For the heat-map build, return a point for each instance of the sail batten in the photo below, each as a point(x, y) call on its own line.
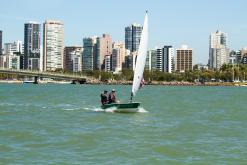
point(141, 58)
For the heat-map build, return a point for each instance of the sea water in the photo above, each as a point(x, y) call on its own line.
point(64, 124)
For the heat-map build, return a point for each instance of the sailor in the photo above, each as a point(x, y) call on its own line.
point(103, 97)
point(112, 97)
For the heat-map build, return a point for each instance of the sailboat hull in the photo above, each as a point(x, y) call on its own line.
point(123, 107)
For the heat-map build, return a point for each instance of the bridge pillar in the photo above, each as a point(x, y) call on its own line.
point(82, 81)
point(36, 80)
point(78, 82)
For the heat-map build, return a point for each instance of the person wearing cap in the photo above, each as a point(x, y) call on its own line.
point(112, 97)
point(103, 97)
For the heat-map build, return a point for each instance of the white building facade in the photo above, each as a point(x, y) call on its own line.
point(53, 43)
point(11, 48)
point(218, 51)
point(107, 63)
point(76, 57)
point(118, 56)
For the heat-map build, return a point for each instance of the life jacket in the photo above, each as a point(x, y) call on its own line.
point(111, 98)
point(103, 98)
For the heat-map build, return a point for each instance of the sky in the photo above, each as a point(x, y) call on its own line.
point(171, 22)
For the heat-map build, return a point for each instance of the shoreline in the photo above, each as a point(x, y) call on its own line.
point(164, 83)
point(158, 83)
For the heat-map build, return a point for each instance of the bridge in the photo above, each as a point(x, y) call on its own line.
point(44, 74)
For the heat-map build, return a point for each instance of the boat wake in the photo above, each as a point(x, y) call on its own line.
point(142, 110)
point(98, 109)
point(113, 109)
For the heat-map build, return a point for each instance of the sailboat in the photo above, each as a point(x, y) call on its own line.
point(138, 75)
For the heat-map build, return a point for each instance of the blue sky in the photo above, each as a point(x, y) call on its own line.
point(172, 22)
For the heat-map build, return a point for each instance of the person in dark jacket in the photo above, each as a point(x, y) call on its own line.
point(103, 97)
point(112, 97)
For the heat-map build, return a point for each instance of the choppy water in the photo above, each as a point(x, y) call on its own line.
point(63, 124)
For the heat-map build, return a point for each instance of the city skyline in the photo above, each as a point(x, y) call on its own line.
point(171, 23)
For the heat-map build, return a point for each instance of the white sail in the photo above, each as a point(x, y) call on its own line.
point(141, 58)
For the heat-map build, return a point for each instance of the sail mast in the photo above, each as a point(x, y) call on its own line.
point(141, 58)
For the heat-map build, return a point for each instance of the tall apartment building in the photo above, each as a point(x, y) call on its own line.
point(1, 42)
point(107, 63)
point(4, 61)
point(130, 60)
point(118, 56)
point(218, 51)
point(69, 52)
point(76, 58)
point(104, 48)
point(165, 59)
point(12, 58)
point(32, 45)
point(13, 48)
point(151, 60)
point(244, 55)
point(89, 59)
point(168, 59)
point(184, 59)
point(133, 37)
point(53, 43)
point(159, 59)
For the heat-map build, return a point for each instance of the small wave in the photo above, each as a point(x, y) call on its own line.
point(142, 110)
point(98, 109)
point(92, 108)
point(67, 107)
point(71, 109)
point(7, 104)
point(113, 109)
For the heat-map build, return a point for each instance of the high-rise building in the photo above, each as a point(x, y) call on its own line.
point(184, 59)
point(104, 48)
point(4, 61)
point(151, 60)
point(1, 42)
point(232, 59)
point(70, 51)
point(13, 48)
point(107, 63)
point(239, 57)
point(89, 60)
point(165, 59)
point(10, 61)
point(31, 45)
point(218, 51)
point(159, 59)
point(118, 56)
point(76, 57)
point(133, 37)
point(7, 48)
point(244, 55)
point(53, 43)
point(15, 62)
point(168, 59)
point(130, 60)
point(13, 55)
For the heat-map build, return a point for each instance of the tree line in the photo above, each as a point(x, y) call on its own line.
point(226, 73)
